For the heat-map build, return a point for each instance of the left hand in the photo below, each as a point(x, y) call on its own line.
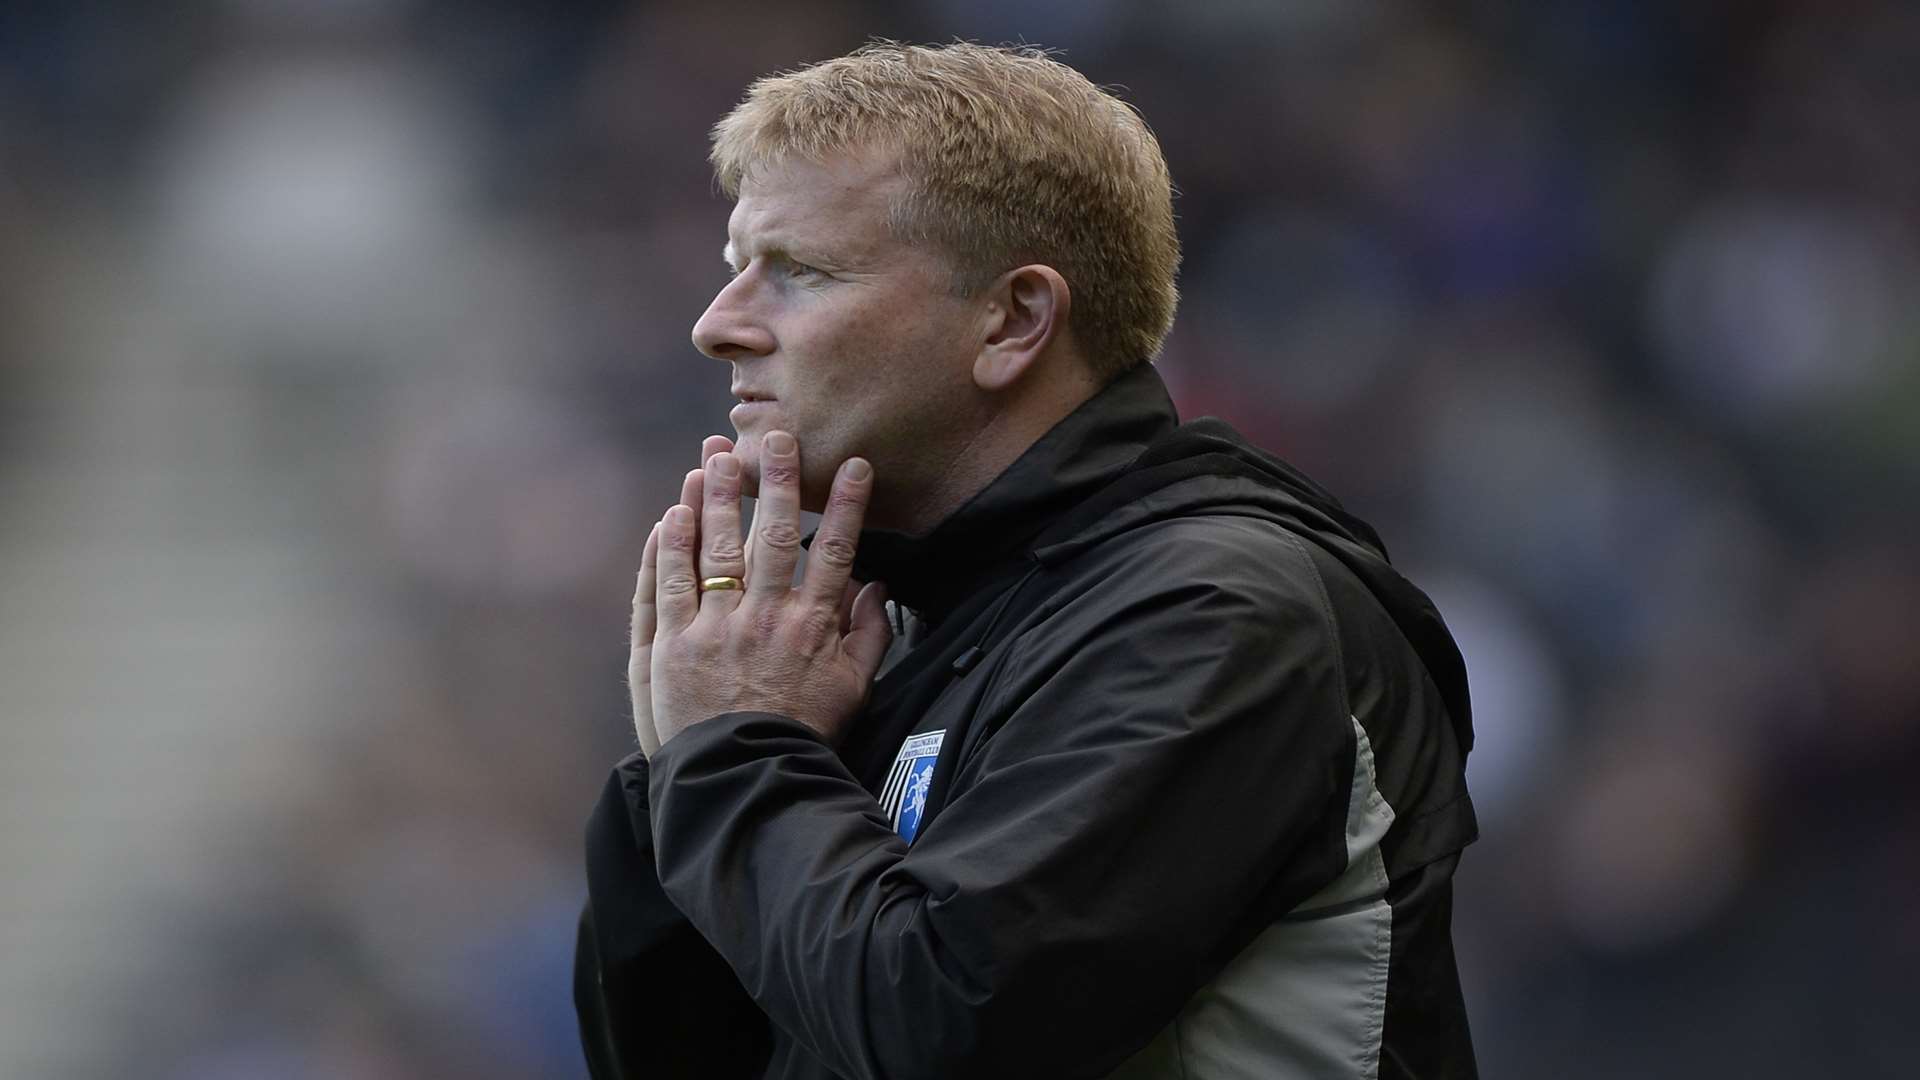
point(802, 652)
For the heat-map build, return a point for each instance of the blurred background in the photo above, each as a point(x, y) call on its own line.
point(344, 365)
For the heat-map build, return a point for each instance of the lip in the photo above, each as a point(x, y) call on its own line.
point(748, 409)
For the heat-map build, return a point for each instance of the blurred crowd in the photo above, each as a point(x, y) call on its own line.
point(344, 366)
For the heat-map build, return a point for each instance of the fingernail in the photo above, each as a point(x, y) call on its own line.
point(858, 469)
point(680, 517)
point(779, 442)
point(725, 466)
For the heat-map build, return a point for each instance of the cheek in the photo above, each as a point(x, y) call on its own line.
point(872, 373)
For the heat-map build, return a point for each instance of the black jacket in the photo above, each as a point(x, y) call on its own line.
point(1200, 759)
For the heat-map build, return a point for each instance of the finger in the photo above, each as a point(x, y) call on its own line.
point(693, 490)
point(830, 559)
point(871, 631)
point(692, 487)
point(776, 517)
point(721, 553)
point(720, 444)
point(676, 595)
point(847, 597)
point(640, 654)
point(643, 589)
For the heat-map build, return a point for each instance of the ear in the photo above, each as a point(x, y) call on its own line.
point(1027, 308)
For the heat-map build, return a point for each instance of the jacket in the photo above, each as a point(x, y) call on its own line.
point(1164, 776)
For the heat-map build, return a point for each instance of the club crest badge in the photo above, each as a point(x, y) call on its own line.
point(904, 798)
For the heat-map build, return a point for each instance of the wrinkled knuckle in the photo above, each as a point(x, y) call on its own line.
point(678, 585)
point(727, 551)
point(836, 551)
point(846, 501)
point(780, 535)
point(779, 472)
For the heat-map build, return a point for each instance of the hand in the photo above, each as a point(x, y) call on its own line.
point(808, 652)
point(640, 645)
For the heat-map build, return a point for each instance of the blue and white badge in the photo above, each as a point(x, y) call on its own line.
point(904, 798)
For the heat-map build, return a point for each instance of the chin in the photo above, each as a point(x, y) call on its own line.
point(747, 449)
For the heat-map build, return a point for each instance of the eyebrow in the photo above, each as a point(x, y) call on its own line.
point(774, 250)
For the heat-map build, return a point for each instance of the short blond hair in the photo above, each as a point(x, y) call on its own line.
point(1009, 156)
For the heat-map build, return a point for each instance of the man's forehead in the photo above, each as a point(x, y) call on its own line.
point(845, 199)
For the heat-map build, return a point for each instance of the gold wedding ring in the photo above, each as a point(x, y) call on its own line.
point(721, 584)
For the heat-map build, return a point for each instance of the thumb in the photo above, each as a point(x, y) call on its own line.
point(868, 631)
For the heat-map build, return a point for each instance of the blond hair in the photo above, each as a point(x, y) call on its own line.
point(1009, 156)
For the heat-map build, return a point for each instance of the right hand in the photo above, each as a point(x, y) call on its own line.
point(640, 656)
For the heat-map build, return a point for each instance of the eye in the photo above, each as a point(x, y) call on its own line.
point(795, 268)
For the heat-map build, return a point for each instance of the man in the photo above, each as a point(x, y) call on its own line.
point(1131, 756)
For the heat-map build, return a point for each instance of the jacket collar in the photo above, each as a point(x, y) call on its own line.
point(932, 572)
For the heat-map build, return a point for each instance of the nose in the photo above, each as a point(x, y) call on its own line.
point(730, 328)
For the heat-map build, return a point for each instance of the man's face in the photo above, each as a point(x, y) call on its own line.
point(838, 333)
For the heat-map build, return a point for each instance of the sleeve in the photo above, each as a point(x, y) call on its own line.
point(653, 998)
point(1167, 780)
